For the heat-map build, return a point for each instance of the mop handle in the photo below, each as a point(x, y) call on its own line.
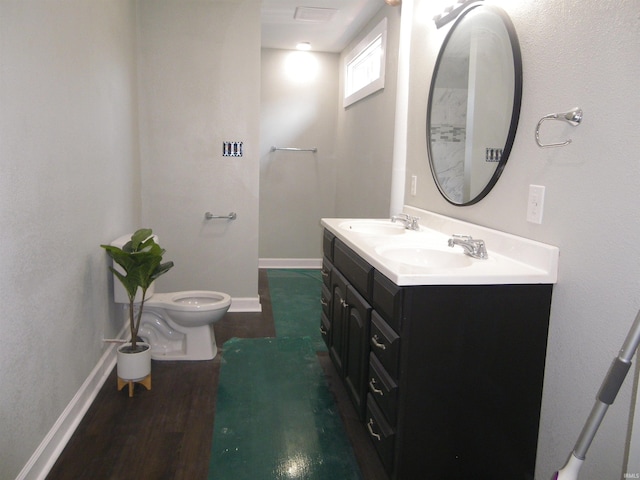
point(631, 343)
point(606, 395)
point(609, 389)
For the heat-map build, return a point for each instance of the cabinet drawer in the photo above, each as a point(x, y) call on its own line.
point(384, 389)
point(327, 244)
point(354, 268)
point(381, 434)
point(325, 300)
point(325, 272)
point(385, 344)
point(387, 300)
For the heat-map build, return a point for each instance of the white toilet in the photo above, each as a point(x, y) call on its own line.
point(178, 325)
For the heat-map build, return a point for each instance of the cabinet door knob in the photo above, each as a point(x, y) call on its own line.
point(370, 428)
point(376, 342)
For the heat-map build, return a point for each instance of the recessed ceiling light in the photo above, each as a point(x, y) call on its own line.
point(303, 46)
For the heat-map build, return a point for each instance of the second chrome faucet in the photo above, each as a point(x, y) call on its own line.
point(473, 248)
point(410, 222)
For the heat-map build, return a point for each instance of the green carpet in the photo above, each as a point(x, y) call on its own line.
point(295, 300)
point(275, 417)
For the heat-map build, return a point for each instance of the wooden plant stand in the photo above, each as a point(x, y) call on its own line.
point(146, 382)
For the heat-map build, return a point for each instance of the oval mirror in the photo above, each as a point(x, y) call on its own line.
point(474, 104)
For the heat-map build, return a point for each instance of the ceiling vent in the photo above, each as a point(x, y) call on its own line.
point(314, 15)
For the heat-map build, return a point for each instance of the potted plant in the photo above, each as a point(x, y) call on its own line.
point(141, 261)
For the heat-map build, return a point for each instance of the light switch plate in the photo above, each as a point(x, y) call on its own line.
point(535, 205)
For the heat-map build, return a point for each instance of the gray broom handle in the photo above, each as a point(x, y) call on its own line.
point(609, 389)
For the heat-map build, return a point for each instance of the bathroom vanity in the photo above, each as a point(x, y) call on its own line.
point(442, 355)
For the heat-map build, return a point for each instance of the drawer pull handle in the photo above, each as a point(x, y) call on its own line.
point(376, 342)
point(323, 330)
point(372, 385)
point(324, 273)
point(370, 428)
point(323, 302)
point(344, 304)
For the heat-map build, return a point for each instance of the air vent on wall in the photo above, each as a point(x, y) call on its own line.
point(314, 15)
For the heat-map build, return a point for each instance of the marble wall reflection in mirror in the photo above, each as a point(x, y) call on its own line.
point(474, 104)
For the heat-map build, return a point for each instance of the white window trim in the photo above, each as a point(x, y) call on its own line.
point(380, 31)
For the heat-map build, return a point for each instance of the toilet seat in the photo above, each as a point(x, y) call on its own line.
point(189, 300)
point(191, 308)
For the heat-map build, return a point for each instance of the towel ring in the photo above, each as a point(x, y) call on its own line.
point(572, 117)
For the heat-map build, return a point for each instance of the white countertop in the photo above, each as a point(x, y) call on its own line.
point(512, 259)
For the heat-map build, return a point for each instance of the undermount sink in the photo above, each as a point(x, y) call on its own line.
point(425, 257)
point(374, 227)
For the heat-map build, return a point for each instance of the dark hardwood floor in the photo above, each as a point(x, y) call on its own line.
point(166, 432)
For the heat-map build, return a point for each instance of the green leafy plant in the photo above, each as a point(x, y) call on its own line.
point(141, 260)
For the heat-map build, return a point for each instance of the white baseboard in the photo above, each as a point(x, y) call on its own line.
point(245, 304)
point(315, 263)
point(45, 456)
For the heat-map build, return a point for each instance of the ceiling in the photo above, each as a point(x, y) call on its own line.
point(328, 25)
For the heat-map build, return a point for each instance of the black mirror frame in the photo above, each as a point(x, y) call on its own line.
point(515, 112)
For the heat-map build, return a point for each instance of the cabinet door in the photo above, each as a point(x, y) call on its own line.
point(358, 323)
point(338, 335)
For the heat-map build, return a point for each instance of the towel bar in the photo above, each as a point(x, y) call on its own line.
point(293, 149)
point(211, 216)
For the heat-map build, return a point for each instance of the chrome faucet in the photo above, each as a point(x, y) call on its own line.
point(473, 248)
point(410, 223)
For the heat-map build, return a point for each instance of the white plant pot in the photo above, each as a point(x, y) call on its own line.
point(134, 366)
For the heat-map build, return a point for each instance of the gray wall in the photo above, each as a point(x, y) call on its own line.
point(365, 135)
point(298, 109)
point(199, 65)
point(69, 181)
point(574, 54)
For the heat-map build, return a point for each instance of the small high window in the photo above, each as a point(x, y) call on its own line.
point(364, 65)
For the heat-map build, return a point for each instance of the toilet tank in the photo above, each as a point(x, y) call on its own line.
point(119, 293)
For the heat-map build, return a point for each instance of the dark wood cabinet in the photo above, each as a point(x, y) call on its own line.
point(448, 378)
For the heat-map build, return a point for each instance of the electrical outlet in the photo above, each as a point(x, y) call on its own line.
point(535, 205)
point(414, 184)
